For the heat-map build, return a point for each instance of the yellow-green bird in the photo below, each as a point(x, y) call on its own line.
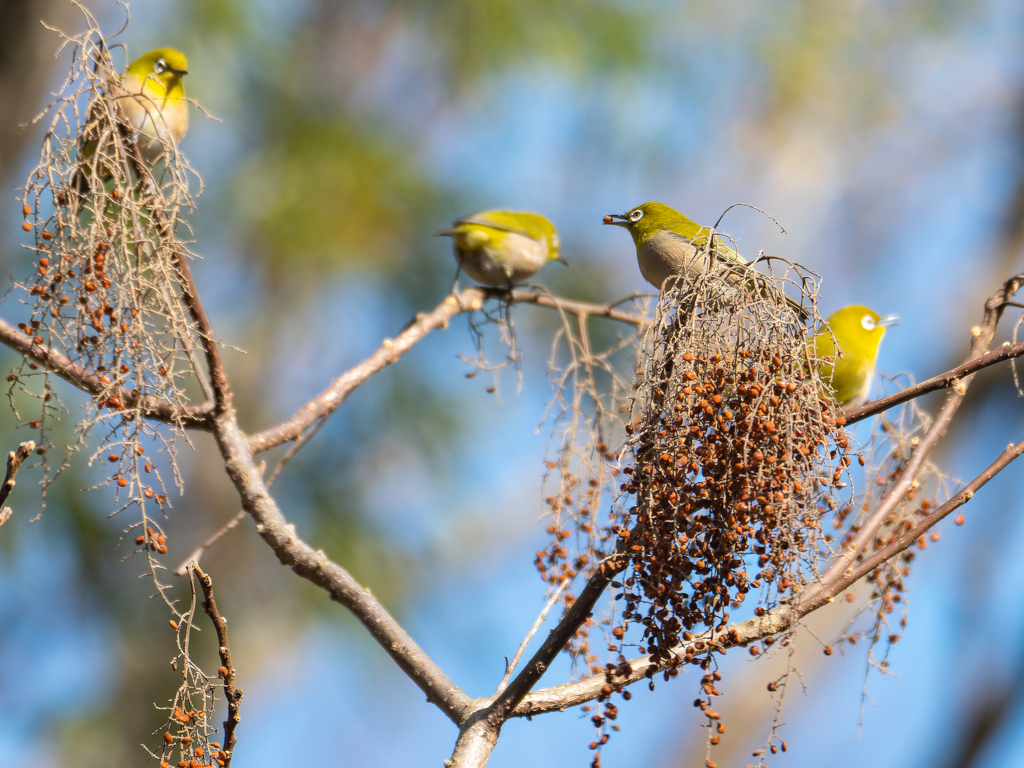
point(667, 245)
point(156, 106)
point(858, 331)
point(502, 248)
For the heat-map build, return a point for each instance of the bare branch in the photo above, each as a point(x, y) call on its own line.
point(190, 417)
point(14, 461)
point(227, 671)
point(507, 701)
point(469, 299)
point(561, 697)
point(911, 535)
point(315, 566)
point(945, 380)
point(578, 308)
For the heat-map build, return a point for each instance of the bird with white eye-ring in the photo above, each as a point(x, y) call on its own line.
point(858, 331)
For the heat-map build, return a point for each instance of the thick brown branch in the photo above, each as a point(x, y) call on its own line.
point(227, 671)
point(469, 299)
point(945, 380)
point(335, 580)
point(14, 461)
point(190, 417)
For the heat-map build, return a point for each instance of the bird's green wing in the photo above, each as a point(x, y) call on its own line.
point(508, 221)
point(699, 238)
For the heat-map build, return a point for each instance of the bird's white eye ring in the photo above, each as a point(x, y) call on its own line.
point(160, 66)
point(554, 240)
point(868, 322)
point(636, 215)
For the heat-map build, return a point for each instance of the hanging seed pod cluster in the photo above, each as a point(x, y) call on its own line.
point(738, 454)
point(105, 289)
point(590, 403)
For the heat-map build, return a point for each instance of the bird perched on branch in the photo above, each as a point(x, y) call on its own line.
point(858, 331)
point(668, 244)
point(156, 108)
point(502, 248)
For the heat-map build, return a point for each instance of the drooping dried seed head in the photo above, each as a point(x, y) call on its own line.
point(738, 453)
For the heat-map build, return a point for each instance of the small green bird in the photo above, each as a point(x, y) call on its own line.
point(157, 107)
point(502, 248)
point(859, 331)
point(667, 245)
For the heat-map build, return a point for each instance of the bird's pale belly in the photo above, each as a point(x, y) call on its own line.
point(663, 256)
point(519, 258)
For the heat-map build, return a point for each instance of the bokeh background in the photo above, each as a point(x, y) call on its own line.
point(887, 135)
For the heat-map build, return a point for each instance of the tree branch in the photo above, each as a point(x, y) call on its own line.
point(316, 567)
point(190, 417)
point(942, 381)
point(560, 697)
point(231, 693)
point(14, 461)
point(469, 299)
point(908, 537)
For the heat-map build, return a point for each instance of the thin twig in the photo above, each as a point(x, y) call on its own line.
point(227, 670)
point(14, 461)
point(193, 558)
point(469, 299)
point(511, 667)
point(909, 536)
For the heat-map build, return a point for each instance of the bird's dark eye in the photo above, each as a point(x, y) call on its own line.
point(160, 66)
point(868, 322)
point(636, 215)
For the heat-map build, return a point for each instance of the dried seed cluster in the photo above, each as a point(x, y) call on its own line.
point(737, 456)
point(730, 465)
point(106, 288)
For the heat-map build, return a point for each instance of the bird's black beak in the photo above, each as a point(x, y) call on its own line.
point(180, 72)
point(888, 320)
point(561, 259)
point(611, 219)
